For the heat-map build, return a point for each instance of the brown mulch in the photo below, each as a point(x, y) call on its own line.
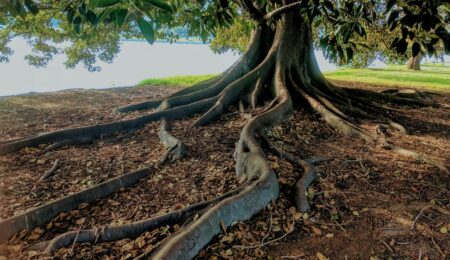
point(363, 203)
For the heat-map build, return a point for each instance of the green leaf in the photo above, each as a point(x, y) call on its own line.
point(91, 17)
point(120, 16)
point(104, 3)
point(415, 49)
point(390, 4)
point(76, 23)
point(147, 30)
point(2, 21)
point(392, 17)
point(159, 4)
point(31, 6)
point(402, 45)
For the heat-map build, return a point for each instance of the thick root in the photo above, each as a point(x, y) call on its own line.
point(42, 214)
point(254, 197)
point(239, 87)
point(301, 186)
point(140, 106)
point(416, 156)
point(176, 149)
point(95, 132)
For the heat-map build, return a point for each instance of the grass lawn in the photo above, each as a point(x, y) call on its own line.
point(182, 81)
point(432, 77)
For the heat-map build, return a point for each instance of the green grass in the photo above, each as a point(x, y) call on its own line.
point(432, 77)
point(181, 81)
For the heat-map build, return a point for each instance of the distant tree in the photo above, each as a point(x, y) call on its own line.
point(276, 74)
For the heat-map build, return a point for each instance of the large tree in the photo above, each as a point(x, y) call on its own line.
point(276, 74)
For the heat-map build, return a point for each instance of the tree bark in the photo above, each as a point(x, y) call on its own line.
point(414, 62)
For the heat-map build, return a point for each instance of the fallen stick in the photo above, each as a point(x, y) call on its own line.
point(50, 172)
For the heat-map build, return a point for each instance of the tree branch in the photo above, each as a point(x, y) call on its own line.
point(280, 10)
point(254, 12)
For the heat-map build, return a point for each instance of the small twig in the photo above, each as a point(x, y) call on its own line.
point(266, 243)
point(75, 239)
point(418, 216)
point(384, 243)
point(50, 172)
point(313, 220)
point(270, 228)
point(292, 257)
point(437, 247)
point(340, 226)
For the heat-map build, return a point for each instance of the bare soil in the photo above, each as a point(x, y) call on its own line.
point(363, 204)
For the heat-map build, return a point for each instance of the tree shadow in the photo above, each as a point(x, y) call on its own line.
point(420, 127)
point(400, 70)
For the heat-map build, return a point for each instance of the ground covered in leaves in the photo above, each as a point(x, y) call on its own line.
point(365, 203)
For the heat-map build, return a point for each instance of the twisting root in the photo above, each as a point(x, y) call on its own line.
point(394, 98)
point(42, 214)
point(130, 230)
point(398, 127)
point(301, 186)
point(94, 132)
point(151, 104)
point(246, 64)
point(176, 149)
point(337, 122)
point(239, 87)
point(353, 131)
point(251, 165)
point(185, 103)
point(50, 172)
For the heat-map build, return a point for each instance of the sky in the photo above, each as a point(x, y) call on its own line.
point(137, 61)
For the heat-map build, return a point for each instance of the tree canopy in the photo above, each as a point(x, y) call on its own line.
point(342, 28)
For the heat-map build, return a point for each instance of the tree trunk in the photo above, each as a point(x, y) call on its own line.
point(414, 62)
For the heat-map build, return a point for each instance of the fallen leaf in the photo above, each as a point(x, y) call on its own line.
point(297, 215)
point(113, 202)
point(41, 161)
point(321, 256)
point(80, 221)
point(329, 235)
point(316, 230)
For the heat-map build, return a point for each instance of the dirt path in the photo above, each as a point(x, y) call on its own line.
point(364, 202)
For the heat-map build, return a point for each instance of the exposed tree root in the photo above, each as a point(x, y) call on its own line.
point(94, 132)
point(42, 214)
point(401, 97)
point(50, 172)
point(130, 230)
point(140, 106)
point(279, 68)
point(251, 165)
point(416, 156)
point(176, 149)
point(301, 186)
